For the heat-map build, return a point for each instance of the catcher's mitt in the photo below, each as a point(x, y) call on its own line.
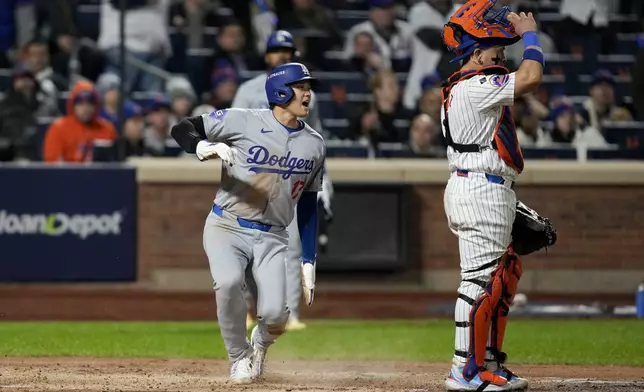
point(530, 231)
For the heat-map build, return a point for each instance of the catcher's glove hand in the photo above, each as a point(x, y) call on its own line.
point(530, 231)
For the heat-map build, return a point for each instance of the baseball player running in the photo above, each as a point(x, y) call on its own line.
point(272, 162)
point(485, 159)
point(280, 49)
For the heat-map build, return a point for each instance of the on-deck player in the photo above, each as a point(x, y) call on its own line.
point(272, 162)
point(280, 49)
point(485, 159)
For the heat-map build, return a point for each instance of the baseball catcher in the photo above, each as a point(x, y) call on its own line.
point(482, 210)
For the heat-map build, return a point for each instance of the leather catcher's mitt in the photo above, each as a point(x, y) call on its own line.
point(530, 231)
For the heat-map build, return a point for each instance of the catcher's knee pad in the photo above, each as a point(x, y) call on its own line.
point(489, 313)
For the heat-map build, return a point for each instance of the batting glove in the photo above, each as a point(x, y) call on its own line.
point(207, 150)
point(308, 281)
point(326, 195)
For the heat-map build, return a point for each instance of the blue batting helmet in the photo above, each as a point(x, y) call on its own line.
point(278, 90)
point(280, 39)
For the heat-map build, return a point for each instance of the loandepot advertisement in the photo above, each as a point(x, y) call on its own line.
point(67, 224)
point(59, 224)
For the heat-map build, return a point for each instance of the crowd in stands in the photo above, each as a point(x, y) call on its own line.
point(381, 63)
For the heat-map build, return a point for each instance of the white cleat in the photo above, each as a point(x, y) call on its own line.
point(294, 324)
point(241, 371)
point(259, 354)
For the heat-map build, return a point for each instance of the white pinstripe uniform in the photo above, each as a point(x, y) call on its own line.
point(479, 202)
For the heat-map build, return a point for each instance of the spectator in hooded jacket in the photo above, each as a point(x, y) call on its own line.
point(71, 138)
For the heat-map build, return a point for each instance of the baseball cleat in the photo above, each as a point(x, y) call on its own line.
point(294, 324)
point(456, 383)
point(241, 371)
point(259, 354)
point(516, 383)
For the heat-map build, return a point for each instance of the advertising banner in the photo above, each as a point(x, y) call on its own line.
point(67, 224)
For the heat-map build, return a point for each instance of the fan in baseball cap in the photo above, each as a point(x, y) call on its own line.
point(280, 49)
point(382, 14)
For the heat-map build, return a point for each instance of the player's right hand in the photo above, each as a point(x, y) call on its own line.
point(207, 150)
point(522, 23)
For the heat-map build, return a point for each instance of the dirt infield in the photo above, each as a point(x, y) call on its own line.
point(89, 374)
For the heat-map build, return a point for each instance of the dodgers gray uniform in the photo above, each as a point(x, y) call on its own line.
point(252, 95)
point(254, 205)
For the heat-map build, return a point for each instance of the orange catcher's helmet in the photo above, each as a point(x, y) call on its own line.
point(478, 25)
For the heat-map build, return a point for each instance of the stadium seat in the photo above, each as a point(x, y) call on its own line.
point(346, 149)
point(550, 153)
point(104, 151)
point(5, 79)
point(172, 149)
point(89, 20)
point(628, 135)
point(621, 154)
point(394, 150)
point(626, 44)
point(346, 19)
point(197, 64)
point(39, 138)
point(179, 43)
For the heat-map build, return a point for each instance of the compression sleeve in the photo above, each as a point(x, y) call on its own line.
point(188, 132)
point(307, 223)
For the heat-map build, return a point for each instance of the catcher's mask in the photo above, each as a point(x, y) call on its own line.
point(476, 25)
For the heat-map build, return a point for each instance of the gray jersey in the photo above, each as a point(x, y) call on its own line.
point(252, 95)
point(274, 165)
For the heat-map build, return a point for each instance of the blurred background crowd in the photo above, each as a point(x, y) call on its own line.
point(381, 63)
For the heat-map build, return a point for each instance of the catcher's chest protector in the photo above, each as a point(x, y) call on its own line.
point(505, 140)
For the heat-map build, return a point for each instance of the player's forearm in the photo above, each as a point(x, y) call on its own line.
point(307, 223)
point(530, 72)
point(188, 133)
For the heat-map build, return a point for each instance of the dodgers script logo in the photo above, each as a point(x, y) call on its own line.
point(285, 166)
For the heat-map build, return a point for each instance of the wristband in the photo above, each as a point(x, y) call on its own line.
point(530, 38)
point(536, 55)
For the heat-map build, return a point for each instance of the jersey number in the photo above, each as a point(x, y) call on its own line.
point(297, 189)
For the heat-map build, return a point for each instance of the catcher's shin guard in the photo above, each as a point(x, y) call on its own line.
point(491, 311)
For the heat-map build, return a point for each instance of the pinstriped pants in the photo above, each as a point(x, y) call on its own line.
point(480, 213)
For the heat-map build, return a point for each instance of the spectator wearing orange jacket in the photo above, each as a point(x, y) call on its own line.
point(71, 138)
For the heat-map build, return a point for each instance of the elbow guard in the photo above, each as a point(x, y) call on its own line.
point(188, 133)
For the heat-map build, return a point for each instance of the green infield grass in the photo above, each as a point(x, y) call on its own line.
point(591, 342)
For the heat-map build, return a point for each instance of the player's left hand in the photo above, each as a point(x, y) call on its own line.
point(308, 281)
